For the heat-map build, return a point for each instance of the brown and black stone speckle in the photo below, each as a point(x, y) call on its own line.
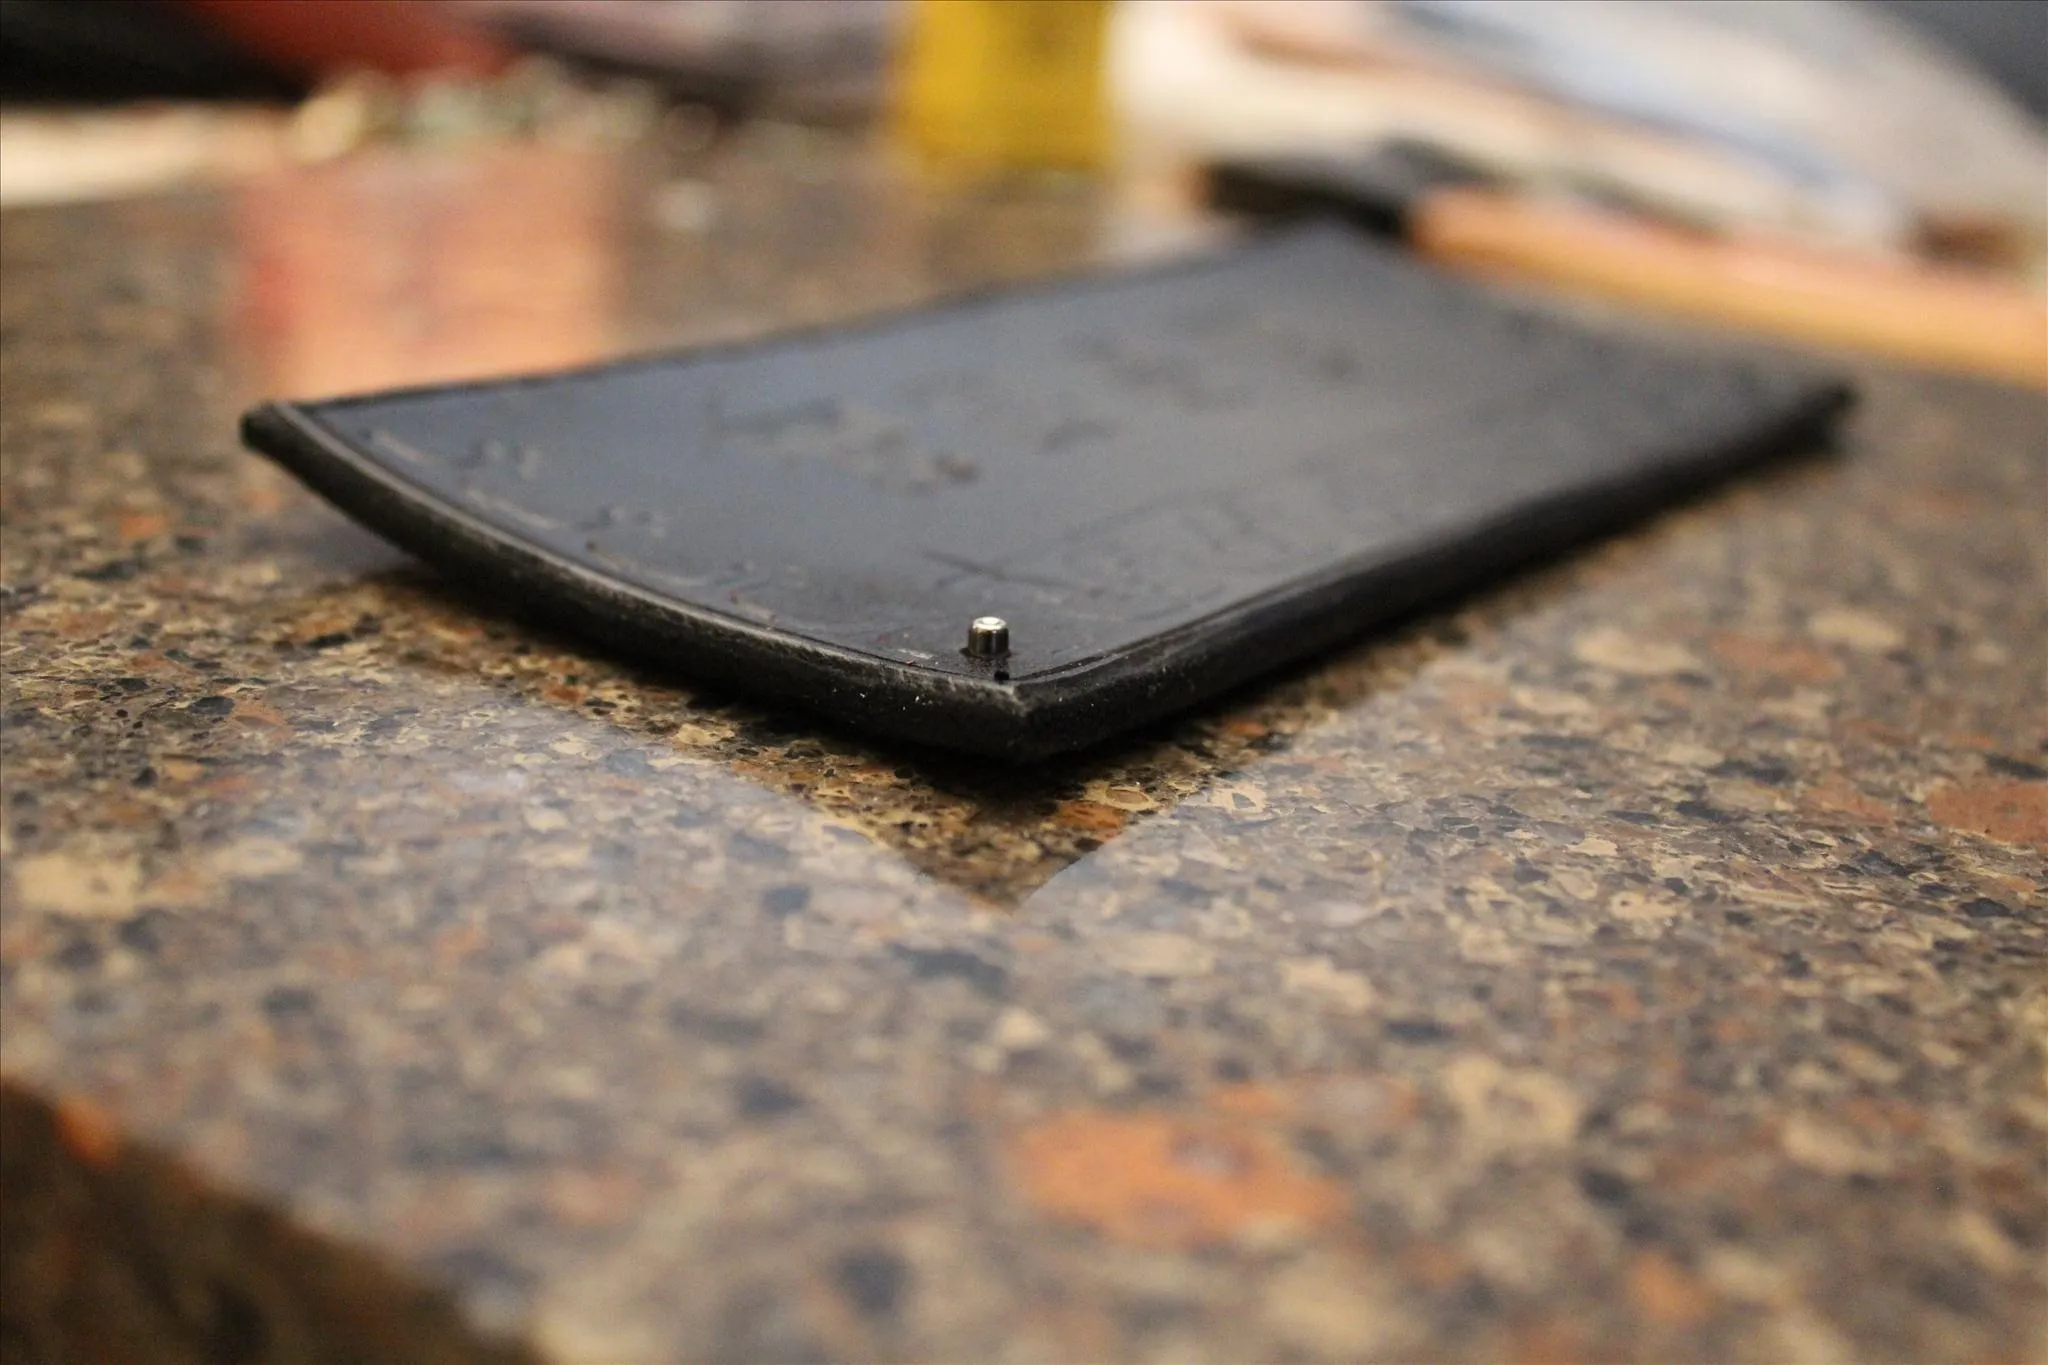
point(1641, 960)
point(112, 1253)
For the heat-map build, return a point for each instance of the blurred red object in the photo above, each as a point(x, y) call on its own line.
point(315, 38)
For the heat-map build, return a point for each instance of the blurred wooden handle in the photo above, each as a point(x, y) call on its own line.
point(1924, 314)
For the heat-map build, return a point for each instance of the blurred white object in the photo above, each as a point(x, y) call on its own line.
point(55, 157)
point(1841, 97)
point(1812, 119)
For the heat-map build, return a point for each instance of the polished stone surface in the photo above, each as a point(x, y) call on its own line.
point(1643, 959)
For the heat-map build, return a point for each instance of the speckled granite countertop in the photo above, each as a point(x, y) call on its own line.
point(1643, 960)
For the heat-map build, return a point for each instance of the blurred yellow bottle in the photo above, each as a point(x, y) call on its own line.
point(996, 85)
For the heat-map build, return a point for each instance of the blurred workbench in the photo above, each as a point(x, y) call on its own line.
point(1641, 960)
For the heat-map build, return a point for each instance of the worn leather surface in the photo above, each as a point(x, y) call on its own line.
point(1165, 480)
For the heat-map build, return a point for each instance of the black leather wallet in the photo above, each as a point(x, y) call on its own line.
point(1161, 481)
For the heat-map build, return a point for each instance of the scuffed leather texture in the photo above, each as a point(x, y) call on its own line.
point(1166, 480)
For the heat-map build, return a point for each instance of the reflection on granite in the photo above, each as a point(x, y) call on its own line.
point(1641, 960)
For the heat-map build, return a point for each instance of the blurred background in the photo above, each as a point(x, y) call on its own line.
point(1860, 173)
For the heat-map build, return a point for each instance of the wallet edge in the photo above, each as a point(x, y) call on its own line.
point(1069, 709)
